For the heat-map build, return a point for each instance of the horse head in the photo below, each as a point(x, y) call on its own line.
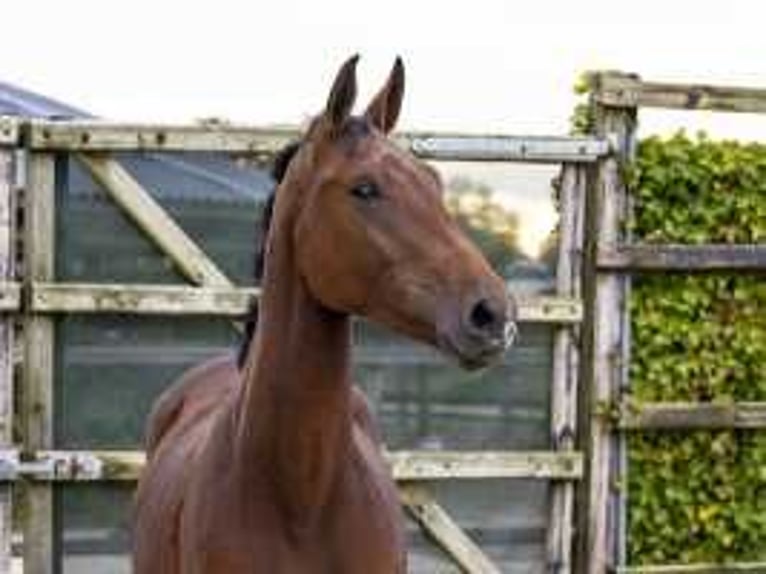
point(372, 236)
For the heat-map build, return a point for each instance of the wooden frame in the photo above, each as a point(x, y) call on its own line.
point(10, 291)
point(428, 513)
point(45, 297)
point(683, 258)
point(137, 299)
point(9, 132)
point(629, 91)
point(565, 361)
point(9, 301)
point(37, 390)
point(690, 416)
point(153, 221)
point(605, 348)
point(407, 466)
point(95, 136)
point(213, 294)
point(616, 98)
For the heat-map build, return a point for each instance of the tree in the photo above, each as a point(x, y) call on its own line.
point(489, 224)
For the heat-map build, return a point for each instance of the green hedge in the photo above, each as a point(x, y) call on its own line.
point(698, 496)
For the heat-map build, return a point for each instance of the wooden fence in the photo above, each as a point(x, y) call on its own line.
point(612, 258)
point(32, 298)
point(591, 344)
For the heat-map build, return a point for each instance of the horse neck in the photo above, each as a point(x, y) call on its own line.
point(294, 422)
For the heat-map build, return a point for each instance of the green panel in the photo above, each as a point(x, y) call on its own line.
point(111, 368)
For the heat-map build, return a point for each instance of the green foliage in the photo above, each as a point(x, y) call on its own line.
point(582, 119)
point(698, 496)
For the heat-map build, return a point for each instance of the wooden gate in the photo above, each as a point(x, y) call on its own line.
point(612, 258)
point(31, 298)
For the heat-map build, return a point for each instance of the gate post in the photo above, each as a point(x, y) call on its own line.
point(606, 337)
point(7, 275)
point(37, 389)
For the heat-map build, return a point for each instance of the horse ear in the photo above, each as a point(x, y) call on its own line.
point(343, 93)
point(383, 110)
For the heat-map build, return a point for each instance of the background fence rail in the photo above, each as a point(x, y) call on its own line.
point(92, 136)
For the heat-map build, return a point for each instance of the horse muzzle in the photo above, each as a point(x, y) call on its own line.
point(482, 332)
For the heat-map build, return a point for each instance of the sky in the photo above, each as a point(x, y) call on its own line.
point(479, 66)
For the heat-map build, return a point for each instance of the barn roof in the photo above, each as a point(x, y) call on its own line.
point(182, 177)
point(15, 101)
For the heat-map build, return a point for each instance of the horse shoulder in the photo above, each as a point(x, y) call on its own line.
point(195, 392)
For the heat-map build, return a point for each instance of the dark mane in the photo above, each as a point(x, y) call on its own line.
point(278, 169)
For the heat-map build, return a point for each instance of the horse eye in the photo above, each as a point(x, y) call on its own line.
point(366, 190)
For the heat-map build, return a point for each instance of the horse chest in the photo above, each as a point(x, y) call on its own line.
point(347, 541)
point(359, 529)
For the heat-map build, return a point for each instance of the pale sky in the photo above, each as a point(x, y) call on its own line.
point(484, 65)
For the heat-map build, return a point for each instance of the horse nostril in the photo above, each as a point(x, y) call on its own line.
point(482, 317)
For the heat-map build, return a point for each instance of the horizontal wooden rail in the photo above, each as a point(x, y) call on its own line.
point(508, 148)
point(686, 258)
point(96, 135)
point(680, 416)
point(10, 298)
point(85, 136)
point(9, 131)
point(139, 299)
point(626, 90)
point(549, 309)
point(427, 465)
point(730, 568)
point(187, 300)
point(101, 465)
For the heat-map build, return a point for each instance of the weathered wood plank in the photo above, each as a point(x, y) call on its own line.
point(628, 90)
point(435, 521)
point(605, 349)
point(683, 258)
point(233, 301)
point(426, 465)
point(152, 219)
point(527, 149)
point(101, 136)
point(724, 568)
point(9, 131)
point(140, 299)
point(544, 309)
point(9, 300)
point(96, 136)
point(565, 360)
point(688, 416)
point(10, 296)
point(37, 381)
point(104, 465)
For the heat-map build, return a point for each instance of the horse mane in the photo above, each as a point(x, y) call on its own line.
point(278, 169)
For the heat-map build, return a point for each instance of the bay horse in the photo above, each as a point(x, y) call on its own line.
point(276, 467)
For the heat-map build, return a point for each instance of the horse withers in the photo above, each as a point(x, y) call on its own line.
point(276, 467)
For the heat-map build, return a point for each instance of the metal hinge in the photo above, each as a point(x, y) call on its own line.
point(46, 466)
